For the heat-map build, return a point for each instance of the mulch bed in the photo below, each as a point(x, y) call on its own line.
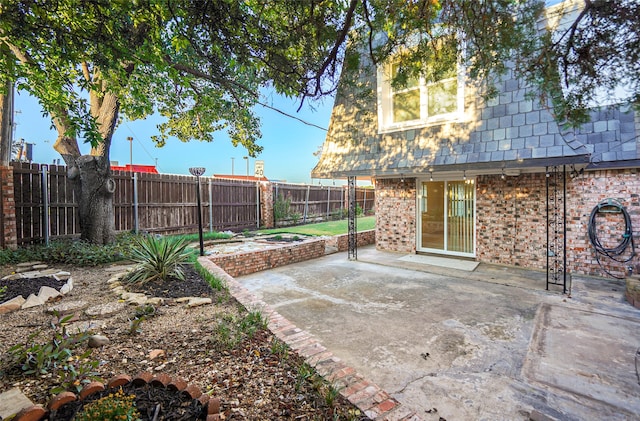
point(192, 286)
point(26, 286)
point(153, 403)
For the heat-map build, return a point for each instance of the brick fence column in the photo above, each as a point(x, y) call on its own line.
point(266, 205)
point(8, 233)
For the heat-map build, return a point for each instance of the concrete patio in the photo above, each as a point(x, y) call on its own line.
point(482, 344)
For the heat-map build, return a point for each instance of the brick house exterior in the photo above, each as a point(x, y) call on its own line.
point(504, 151)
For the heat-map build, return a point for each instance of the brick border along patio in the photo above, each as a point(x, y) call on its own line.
point(367, 396)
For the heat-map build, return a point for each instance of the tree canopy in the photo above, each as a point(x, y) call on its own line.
point(201, 64)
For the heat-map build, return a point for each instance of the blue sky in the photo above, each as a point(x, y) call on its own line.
point(288, 144)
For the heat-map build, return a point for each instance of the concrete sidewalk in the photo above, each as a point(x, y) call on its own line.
point(488, 344)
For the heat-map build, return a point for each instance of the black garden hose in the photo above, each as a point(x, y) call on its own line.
point(614, 253)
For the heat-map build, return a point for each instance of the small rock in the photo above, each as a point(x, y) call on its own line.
point(46, 293)
point(12, 304)
point(97, 341)
point(67, 287)
point(105, 309)
point(62, 275)
point(155, 353)
point(28, 264)
point(156, 301)
point(68, 307)
point(32, 301)
point(198, 301)
point(160, 367)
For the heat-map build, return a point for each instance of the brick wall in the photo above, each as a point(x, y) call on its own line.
point(341, 242)
point(511, 219)
point(8, 233)
point(585, 192)
point(396, 215)
point(246, 263)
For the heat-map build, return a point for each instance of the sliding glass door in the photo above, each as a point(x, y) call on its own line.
point(447, 217)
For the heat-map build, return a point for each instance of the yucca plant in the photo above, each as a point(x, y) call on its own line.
point(158, 259)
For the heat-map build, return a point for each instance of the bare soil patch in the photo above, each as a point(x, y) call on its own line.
point(252, 376)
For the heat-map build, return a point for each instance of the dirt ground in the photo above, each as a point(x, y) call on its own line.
point(255, 377)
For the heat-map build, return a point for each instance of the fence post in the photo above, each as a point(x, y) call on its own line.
point(257, 205)
point(364, 202)
point(210, 205)
point(306, 205)
point(136, 226)
point(45, 204)
point(328, 201)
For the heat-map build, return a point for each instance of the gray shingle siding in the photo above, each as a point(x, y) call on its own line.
point(508, 129)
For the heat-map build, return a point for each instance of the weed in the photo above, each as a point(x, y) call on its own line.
point(279, 348)
point(141, 314)
point(305, 372)
point(331, 393)
point(56, 356)
point(231, 330)
point(3, 290)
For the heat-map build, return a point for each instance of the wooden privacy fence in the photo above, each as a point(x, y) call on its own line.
point(160, 203)
point(311, 203)
point(46, 205)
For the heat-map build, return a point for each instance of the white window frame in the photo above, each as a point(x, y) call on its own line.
point(385, 102)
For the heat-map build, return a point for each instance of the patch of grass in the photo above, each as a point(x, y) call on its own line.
point(216, 283)
point(364, 223)
point(206, 236)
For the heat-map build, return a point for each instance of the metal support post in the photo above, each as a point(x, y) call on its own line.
point(136, 221)
point(45, 205)
point(353, 240)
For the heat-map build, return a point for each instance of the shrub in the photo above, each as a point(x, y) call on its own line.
point(74, 252)
point(113, 407)
point(158, 259)
point(281, 208)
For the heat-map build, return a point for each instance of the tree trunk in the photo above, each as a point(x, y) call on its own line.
point(94, 186)
point(6, 124)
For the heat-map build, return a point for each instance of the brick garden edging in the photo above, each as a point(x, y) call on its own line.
point(37, 412)
point(373, 401)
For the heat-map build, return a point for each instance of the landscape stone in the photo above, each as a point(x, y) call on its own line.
point(12, 277)
point(28, 264)
point(67, 287)
point(32, 301)
point(182, 299)
point(86, 326)
point(156, 301)
point(31, 274)
point(46, 293)
point(134, 298)
point(23, 269)
point(62, 275)
point(68, 307)
point(105, 309)
point(12, 304)
point(11, 402)
point(97, 341)
point(39, 267)
point(118, 290)
point(48, 272)
point(198, 301)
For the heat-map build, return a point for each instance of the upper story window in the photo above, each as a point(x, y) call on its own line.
point(430, 98)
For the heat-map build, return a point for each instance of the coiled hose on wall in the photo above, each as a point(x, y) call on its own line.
point(614, 253)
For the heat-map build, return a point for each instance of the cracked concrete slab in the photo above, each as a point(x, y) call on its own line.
point(461, 345)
